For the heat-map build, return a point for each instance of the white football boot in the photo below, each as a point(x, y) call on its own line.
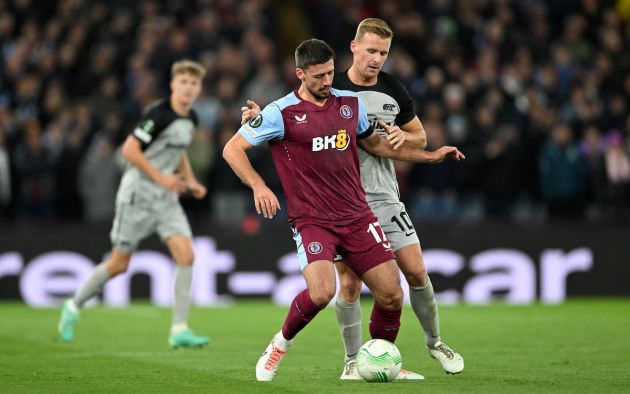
point(408, 375)
point(451, 361)
point(270, 360)
point(350, 371)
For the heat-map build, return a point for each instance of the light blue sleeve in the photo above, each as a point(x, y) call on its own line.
point(363, 123)
point(266, 126)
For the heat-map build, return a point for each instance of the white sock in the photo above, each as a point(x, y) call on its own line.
point(349, 320)
point(425, 307)
point(181, 304)
point(92, 286)
point(281, 342)
point(72, 306)
point(178, 328)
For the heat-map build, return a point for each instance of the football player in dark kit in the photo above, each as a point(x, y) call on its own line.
point(386, 99)
point(148, 201)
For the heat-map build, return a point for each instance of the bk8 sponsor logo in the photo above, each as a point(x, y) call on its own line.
point(339, 141)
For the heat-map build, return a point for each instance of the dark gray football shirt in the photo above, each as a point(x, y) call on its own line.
point(389, 101)
point(164, 136)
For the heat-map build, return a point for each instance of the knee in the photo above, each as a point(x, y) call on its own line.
point(412, 266)
point(185, 258)
point(322, 297)
point(417, 276)
point(117, 267)
point(391, 299)
point(349, 288)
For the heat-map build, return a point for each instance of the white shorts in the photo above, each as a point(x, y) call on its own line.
point(396, 224)
point(137, 219)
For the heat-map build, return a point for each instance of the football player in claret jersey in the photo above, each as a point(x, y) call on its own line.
point(385, 99)
point(313, 134)
point(148, 201)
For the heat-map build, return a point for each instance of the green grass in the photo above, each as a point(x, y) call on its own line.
point(581, 346)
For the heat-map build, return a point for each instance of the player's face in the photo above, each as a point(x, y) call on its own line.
point(370, 53)
point(317, 79)
point(186, 88)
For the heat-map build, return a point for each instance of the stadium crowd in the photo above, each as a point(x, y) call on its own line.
point(535, 93)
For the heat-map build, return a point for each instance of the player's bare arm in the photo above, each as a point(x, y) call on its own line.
point(132, 152)
point(235, 154)
point(382, 147)
point(415, 135)
point(185, 170)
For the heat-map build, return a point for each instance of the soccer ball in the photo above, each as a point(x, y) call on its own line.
point(378, 360)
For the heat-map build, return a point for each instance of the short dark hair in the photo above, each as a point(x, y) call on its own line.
point(311, 52)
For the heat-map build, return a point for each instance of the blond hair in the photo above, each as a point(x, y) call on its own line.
point(373, 25)
point(188, 67)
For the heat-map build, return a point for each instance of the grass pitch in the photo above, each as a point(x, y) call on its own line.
point(581, 346)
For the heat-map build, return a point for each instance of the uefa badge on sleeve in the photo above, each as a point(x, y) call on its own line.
point(256, 121)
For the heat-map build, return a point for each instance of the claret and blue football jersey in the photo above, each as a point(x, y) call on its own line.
point(315, 152)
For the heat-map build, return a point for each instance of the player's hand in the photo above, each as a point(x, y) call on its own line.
point(395, 135)
point(266, 202)
point(446, 153)
point(249, 112)
point(173, 183)
point(197, 190)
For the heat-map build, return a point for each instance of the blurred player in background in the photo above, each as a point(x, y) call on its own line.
point(313, 134)
point(148, 201)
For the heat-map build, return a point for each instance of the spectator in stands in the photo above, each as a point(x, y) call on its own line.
point(5, 176)
point(99, 173)
point(562, 175)
point(618, 175)
point(35, 167)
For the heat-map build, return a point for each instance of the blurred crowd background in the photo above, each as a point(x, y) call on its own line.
point(535, 93)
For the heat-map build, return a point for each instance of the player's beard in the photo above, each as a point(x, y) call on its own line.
point(319, 95)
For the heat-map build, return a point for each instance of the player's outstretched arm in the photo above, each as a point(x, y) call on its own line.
point(378, 146)
point(132, 152)
point(235, 154)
